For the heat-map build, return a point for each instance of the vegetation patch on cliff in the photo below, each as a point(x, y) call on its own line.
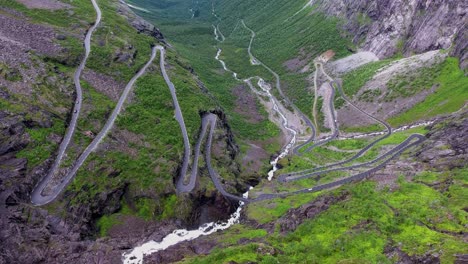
point(450, 96)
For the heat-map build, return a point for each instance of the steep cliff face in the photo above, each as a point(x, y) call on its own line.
point(414, 26)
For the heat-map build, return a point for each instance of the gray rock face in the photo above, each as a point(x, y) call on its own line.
point(139, 23)
point(447, 148)
point(295, 217)
point(12, 135)
point(387, 27)
point(31, 234)
point(147, 28)
point(462, 46)
point(178, 252)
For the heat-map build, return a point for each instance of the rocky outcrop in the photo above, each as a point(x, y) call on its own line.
point(17, 32)
point(208, 204)
point(373, 96)
point(403, 258)
point(104, 84)
point(445, 149)
point(178, 252)
point(30, 234)
point(294, 217)
point(139, 23)
point(44, 4)
point(447, 145)
point(147, 28)
point(12, 133)
point(461, 259)
point(461, 47)
point(415, 26)
point(231, 146)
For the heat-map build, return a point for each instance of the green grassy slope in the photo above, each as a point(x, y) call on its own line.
point(416, 218)
point(154, 148)
point(194, 39)
point(277, 41)
point(450, 95)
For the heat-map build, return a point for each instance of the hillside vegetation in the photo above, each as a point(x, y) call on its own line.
point(408, 204)
point(141, 154)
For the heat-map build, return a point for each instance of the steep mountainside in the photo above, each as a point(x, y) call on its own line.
point(389, 27)
point(128, 180)
point(413, 211)
point(233, 131)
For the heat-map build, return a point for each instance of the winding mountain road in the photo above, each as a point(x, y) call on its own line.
point(184, 185)
point(180, 183)
point(357, 177)
point(361, 152)
point(256, 61)
point(334, 120)
point(37, 196)
point(308, 4)
point(209, 121)
point(277, 105)
point(411, 141)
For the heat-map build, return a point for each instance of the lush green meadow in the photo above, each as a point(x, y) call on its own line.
point(416, 218)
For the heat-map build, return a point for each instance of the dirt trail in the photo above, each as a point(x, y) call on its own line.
point(326, 93)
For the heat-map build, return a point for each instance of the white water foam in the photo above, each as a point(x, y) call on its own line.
point(216, 33)
point(137, 254)
point(403, 128)
point(180, 235)
point(266, 88)
point(234, 74)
